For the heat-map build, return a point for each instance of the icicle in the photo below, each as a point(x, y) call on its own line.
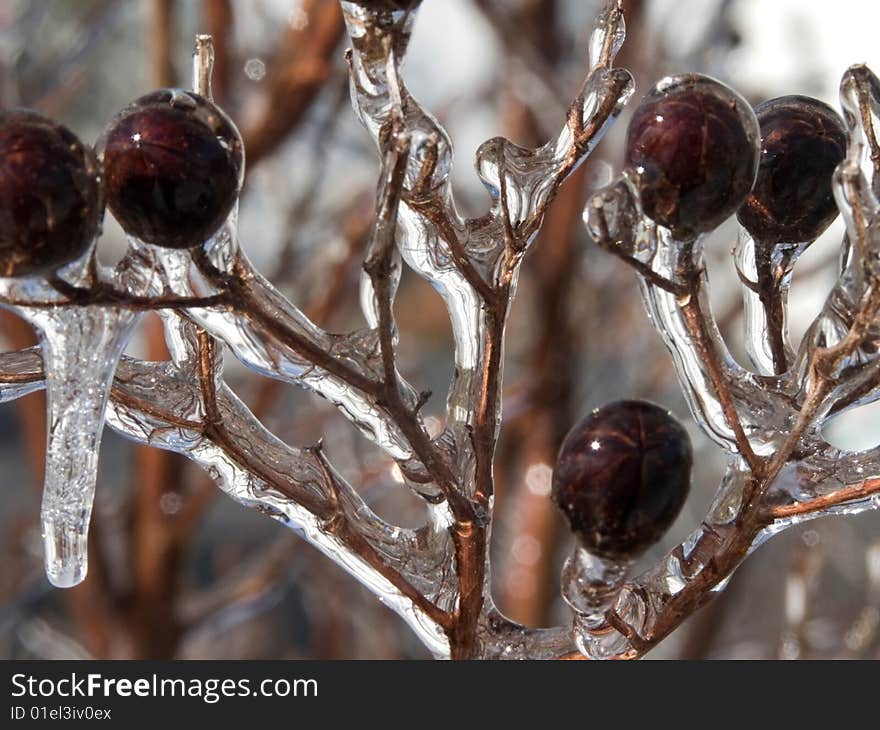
point(81, 348)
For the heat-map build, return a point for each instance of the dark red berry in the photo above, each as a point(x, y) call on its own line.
point(802, 142)
point(692, 149)
point(50, 195)
point(173, 165)
point(622, 476)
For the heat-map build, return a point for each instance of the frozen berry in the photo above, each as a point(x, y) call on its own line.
point(622, 476)
point(173, 165)
point(692, 149)
point(50, 195)
point(802, 141)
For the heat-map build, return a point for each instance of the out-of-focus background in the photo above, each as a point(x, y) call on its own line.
point(179, 570)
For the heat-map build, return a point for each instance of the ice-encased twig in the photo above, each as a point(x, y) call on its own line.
point(856, 187)
point(158, 405)
point(827, 481)
point(21, 373)
point(295, 486)
point(766, 280)
point(464, 260)
point(672, 278)
point(860, 101)
point(430, 230)
point(271, 336)
point(706, 371)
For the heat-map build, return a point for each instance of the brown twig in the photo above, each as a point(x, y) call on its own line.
point(841, 496)
point(768, 288)
point(327, 510)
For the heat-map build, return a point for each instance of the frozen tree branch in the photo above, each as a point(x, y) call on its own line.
point(779, 470)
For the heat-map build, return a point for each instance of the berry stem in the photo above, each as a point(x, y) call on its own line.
point(203, 66)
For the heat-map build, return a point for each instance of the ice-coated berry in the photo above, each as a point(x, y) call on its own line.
point(173, 165)
point(802, 141)
point(692, 149)
point(622, 476)
point(50, 195)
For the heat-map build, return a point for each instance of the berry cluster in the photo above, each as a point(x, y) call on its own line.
point(169, 166)
point(696, 154)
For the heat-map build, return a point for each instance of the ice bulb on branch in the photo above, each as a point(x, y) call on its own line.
point(51, 206)
point(173, 165)
point(692, 150)
point(621, 478)
point(792, 202)
point(50, 195)
point(802, 141)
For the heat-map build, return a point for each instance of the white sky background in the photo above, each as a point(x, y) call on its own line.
point(786, 39)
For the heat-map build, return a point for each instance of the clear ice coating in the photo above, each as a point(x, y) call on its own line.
point(296, 488)
point(768, 421)
point(590, 585)
point(765, 292)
